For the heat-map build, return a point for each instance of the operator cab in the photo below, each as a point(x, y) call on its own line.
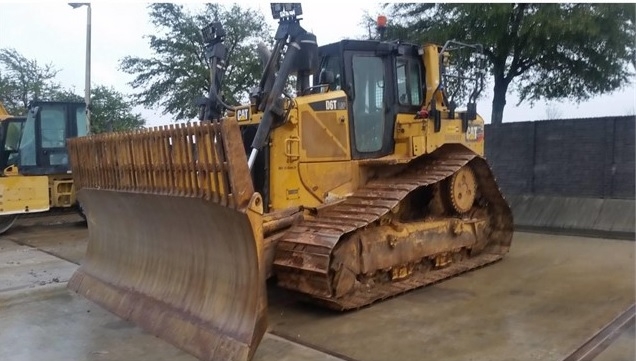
point(43, 144)
point(381, 80)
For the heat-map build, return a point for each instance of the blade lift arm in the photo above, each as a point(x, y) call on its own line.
point(295, 51)
point(215, 54)
point(299, 52)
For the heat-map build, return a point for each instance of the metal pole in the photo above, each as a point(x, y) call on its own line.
point(87, 86)
point(87, 75)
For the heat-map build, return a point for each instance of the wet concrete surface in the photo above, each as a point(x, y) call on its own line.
point(541, 302)
point(622, 349)
point(549, 295)
point(62, 326)
point(24, 268)
point(65, 241)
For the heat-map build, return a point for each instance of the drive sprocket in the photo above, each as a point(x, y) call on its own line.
point(462, 189)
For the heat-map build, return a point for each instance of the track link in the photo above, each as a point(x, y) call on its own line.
point(304, 254)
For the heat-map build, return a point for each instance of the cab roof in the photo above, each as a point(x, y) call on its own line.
point(369, 45)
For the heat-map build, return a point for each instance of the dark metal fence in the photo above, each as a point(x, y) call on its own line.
point(591, 157)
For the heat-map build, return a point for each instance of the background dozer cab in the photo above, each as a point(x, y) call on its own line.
point(36, 175)
point(367, 183)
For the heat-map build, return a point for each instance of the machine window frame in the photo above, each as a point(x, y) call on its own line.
point(81, 122)
point(334, 64)
point(29, 145)
point(49, 160)
point(10, 135)
point(390, 108)
point(410, 82)
point(14, 129)
point(372, 92)
point(53, 135)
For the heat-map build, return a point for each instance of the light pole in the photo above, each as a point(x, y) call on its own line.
point(87, 85)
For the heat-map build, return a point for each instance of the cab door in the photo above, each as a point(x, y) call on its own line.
point(52, 127)
point(371, 111)
point(10, 141)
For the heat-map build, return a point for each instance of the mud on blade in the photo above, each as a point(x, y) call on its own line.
point(175, 236)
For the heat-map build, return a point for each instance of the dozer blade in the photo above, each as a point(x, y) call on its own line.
point(175, 236)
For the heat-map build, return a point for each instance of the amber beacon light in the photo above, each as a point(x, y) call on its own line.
point(381, 25)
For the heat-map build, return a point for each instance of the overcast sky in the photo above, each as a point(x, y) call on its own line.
point(53, 32)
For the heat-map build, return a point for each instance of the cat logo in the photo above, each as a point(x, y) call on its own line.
point(243, 114)
point(475, 133)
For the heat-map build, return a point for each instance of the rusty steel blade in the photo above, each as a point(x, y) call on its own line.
point(193, 277)
point(175, 235)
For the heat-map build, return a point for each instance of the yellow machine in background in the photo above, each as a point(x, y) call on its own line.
point(368, 183)
point(3, 112)
point(35, 169)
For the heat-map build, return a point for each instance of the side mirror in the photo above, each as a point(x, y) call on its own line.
point(326, 77)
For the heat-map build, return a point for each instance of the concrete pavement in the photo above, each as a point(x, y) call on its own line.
point(541, 302)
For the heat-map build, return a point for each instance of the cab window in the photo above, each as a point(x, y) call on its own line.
point(408, 82)
point(368, 103)
point(53, 127)
point(14, 131)
point(80, 116)
point(332, 64)
point(27, 143)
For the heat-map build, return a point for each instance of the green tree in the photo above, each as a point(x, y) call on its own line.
point(23, 80)
point(177, 73)
point(545, 51)
point(108, 108)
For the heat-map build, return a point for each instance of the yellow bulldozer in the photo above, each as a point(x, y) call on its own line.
point(36, 176)
point(368, 182)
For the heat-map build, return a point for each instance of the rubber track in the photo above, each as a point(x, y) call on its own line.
point(303, 255)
